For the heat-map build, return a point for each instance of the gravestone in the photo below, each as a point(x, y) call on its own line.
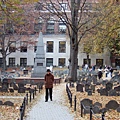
point(89, 91)
point(20, 85)
point(103, 92)
point(94, 79)
point(109, 86)
point(39, 66)
point(96, 109)
point(5, 85)
point(15, 87)
point(79, 87)
point(112, 93)
point(21, 90)
point(11, 90)
point(9, 103)
point(104, 82)
point(1, 103)
point(98, 104)
point(112, 104)
point(86, 102)
point(93, 88)
point(87, 87)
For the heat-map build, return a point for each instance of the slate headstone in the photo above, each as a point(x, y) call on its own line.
point(9, 103)
point(98, 104)
point(89, 91)
point(103, 92)
point(93, 88)
point(1, 103)
point(112, 104)
point(79, 87)
point(96, 109)
point(21, 90)
point(117, 88)
point(109, 86)
point(118, 109)
point(112, 93)
point(86, 102)
point(87, 87)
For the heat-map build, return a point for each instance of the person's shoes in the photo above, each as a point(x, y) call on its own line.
point(51, 99)
point(46, 101)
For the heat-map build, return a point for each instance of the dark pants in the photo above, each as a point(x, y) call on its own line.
point(48, 94)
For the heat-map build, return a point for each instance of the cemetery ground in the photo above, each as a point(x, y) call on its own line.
point(11, 111)
point(105, 100)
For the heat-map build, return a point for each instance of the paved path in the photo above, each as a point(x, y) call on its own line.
point(51, 110)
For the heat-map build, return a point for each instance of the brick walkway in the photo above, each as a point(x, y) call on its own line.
point(51, 110)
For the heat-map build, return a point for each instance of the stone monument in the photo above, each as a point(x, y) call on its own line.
point(39, 65)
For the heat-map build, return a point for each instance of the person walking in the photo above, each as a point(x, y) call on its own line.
point(49, 80)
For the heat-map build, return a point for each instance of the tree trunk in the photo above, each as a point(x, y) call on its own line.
point(4, 63)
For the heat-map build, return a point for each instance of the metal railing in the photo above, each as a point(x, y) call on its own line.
point(102, 117)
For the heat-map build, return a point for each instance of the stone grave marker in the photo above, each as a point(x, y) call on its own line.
point(79, 87)
point(112, 104)
point(103, 92)
point(96, 109)
point(1, 103)
point(15, 87)
point(9, 103)
point(92, 88)
point(89, 91)
point(87, 103)
point(5, 86)
point(104, 82)
point(97, 104)
point(87, 87)
point(11, 90)
point(21, 90)
point(112, 93)
point(109, 86)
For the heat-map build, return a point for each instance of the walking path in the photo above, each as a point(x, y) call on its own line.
point(51, 110)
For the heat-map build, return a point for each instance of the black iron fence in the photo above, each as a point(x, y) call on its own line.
point(28, 97)
point(83, 108)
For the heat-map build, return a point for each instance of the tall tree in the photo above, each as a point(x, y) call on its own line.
point(76, 22)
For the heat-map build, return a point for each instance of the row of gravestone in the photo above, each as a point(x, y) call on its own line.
point(97, 107)
point(9, 103)
point(107, 91)
point(20, 87)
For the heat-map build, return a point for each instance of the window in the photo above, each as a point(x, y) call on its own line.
point(63, 6)
point(50, 6)
point(62, 27)
point(23, 46)
point(11, 62)
point(35, 48)
point(23, 62)
point(49, 62)
point(50, 27)
point(12, 47)
point(99, 62)
point(49, 46)
point(85, 61)
point(62, 47)
point(39, 6)
point(61, 62)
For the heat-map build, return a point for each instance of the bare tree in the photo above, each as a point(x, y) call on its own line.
point(77, 19)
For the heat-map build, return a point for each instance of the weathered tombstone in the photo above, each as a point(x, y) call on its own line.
point(9, 103)
point(93, 88)
point(21, 85)
point(104, 82)
point(112, 93)
point(1, 103)
point(89, 91)
point(87, 87)
point(94, 80)
point(96, 109)
point(98, 104)
point(21, 90)
point(86, 102)
point(79, 87)
point(11, 90)
point(112, 104)
point(103, 92)
point(109, 86)
point(5, 86)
